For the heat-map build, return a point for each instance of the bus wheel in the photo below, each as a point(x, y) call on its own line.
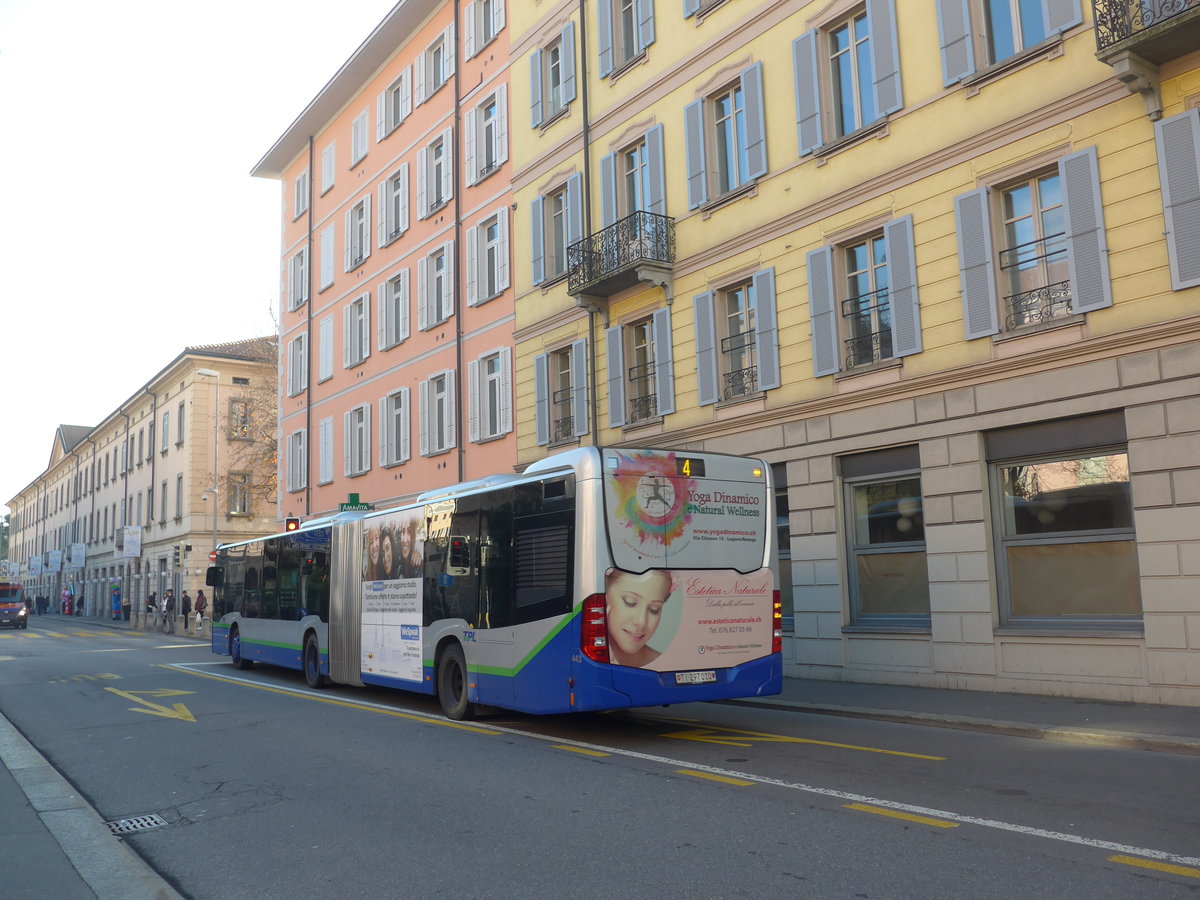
point(235, 650)
point(312, 662)
point(452, 684)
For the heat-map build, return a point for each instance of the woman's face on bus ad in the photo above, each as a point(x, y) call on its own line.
point(372, 550)
point(635, 605)
point(386, 553)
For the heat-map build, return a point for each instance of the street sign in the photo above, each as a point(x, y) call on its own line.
point(212, 555)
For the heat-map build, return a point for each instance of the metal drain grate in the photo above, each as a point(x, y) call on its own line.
point(136, 823)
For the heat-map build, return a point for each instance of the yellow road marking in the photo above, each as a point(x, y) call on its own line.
point(739, 738)
point(177, 711)
point(896, 814)
point(347, 704)
point(711, 777)
point(583, 750)
point(1156, 866)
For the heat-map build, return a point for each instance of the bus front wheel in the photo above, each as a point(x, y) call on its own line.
point(452, 684)
point(312, 662)
point(235, 650)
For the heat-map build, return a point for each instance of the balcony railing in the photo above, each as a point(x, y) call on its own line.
point(1037, 306)
point(644, 405)
point(563, 428)
point(607, 261)
point(869, 348)
point(1138, 21)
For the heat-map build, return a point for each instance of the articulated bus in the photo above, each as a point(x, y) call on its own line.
point(597, 579)
point(14, 611)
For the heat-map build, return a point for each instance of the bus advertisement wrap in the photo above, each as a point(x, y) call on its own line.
point(391, 628)
point(688, 619)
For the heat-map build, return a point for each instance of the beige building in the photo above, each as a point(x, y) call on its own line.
point(935, 261)
point(139, 500)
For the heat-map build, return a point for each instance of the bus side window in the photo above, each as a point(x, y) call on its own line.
point(543, 553)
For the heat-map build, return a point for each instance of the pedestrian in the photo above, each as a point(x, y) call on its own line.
point(169, 612)
point(185, 608)
point(64, 602)
point(116, 602)
point(151, 608)
point(201, 606)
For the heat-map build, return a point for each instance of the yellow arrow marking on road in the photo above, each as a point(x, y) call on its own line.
point(178, 711)
point(749, 738)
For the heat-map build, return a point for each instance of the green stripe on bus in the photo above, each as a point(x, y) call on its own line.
point(511, 673)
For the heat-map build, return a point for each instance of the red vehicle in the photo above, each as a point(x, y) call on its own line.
point(13, 611)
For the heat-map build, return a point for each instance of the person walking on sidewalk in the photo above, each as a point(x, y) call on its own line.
point(201, 606)
point(169, 612)
point(185, 608)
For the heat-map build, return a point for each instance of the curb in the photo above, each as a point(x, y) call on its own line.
point(106, 864)
point(1102, 738)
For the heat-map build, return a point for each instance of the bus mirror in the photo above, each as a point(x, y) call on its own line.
point(214, 576)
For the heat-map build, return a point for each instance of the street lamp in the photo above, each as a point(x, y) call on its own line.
point(216, 377)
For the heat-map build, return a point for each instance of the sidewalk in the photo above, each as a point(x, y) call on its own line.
point(1168, 729)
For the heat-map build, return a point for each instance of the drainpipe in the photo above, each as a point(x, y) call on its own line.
point(459, 271)
point(279, 348)
point(582, 56)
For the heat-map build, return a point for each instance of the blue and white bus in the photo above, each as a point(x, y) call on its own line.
point(599, 578)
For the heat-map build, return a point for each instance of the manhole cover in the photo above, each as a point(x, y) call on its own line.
point(135, 824)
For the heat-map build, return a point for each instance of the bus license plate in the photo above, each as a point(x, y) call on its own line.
point(695, 677)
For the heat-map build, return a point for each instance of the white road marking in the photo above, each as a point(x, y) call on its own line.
point(995, 824)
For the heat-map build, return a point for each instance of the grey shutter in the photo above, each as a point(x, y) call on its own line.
point(574, 209)
point(422, 182)
point(423, 303)
point(766, 330)
point(347, 449)
point(387, 452)
point(502, 252)
point(885, 55)
point(644, 9)
point(469, 16)
point(567, 41)
point(706, 350)
point(1178, 144)
point(615, 359)
point(473, 266)
point(579, 387)
point(756, 124)
point(541, 398)
point(608, 189)
point(423, 403)
point(403, 332)
point(697, 180)
point(381, 117)
point(1061, 14)
point(690, 8)
point(451, 407)
point(604, 31)
point(664, 362)
point(405, 426)
point(448, 167)
point(808, 92)
point(537, 240)
point(535, 88)
point(954, 36)
point(469, 126)
point(449, 52)
point(473, 401)
point(506, 424)
point(656, 158)
point(346, 326)
point(381, 236)
point(1087, 249)
point(975, 264)
point(384, 318)
point(822, 312)
point(902, 281)
point(502, 124)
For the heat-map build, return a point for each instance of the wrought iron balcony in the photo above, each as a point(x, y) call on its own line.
point(644, 405)
point(1038, 306)
point(612, 259)
point(1156, 30)
point(869, 348)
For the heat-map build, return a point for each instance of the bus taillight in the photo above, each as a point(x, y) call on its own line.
point(594, 629)
point(777, 624)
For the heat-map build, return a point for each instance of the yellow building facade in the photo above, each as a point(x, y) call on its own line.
point(938, 262)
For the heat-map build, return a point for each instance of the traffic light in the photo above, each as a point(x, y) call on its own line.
point(291, 523)
point(175, 553)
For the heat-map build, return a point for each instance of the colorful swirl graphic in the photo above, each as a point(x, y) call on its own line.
point(636, 476)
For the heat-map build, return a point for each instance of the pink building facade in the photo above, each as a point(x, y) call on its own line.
point(396, 311)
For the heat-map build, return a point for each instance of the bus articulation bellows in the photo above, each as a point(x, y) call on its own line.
point(599, 578)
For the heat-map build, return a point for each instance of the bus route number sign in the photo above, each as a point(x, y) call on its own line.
point(689, 468)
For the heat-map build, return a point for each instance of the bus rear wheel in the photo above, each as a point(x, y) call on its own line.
point(235, 650)
point(452, 684)
point(312, 662)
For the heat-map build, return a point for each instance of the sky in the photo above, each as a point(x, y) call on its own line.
point(130, 227)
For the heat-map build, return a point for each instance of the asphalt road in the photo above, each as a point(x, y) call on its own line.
point(271, 789)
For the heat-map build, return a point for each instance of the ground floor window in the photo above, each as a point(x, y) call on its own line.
point(1067, 552)
point(888, 577)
